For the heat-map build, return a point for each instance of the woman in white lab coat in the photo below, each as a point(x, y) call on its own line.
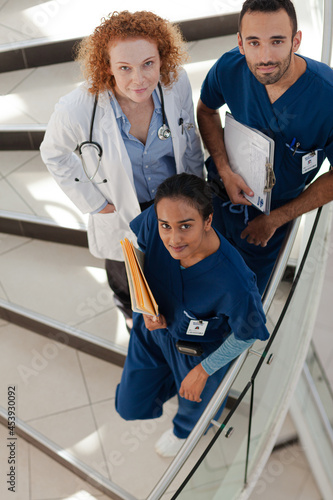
point(138, 131)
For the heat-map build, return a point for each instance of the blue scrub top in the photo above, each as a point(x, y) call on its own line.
point(304, 112)
point(220, 289)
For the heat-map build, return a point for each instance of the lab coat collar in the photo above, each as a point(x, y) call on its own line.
point(108, 124)
point(171, 113)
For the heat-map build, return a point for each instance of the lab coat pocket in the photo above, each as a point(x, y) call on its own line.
point(104, 234)
point(186, 128)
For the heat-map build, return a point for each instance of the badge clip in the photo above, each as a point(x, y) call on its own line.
point(270, 177)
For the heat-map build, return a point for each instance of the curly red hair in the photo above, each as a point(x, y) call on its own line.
point(92, 51)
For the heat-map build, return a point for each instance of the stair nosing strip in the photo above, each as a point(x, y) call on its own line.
point(37, 219)
point(65, 458)
point(57, 325)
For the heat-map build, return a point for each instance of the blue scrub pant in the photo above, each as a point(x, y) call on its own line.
point(260, 260)
point(153, 373)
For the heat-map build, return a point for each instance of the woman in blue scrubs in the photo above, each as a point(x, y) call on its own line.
point(207, 298)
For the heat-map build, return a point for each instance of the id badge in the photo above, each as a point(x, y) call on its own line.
point(197, 327)
point(309, 162)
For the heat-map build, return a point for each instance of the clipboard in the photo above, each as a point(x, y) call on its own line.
point(251, 155)
point(142, 299)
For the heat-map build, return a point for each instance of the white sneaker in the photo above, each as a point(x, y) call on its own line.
point(169, 445)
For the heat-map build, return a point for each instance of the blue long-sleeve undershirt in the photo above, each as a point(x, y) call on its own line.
point(229, 350)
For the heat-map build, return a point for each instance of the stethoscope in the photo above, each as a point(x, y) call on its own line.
point(163, 134)
point(86, 144)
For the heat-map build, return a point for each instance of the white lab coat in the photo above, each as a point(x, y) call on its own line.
point(70, 125)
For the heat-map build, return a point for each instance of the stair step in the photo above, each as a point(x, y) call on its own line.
point(33, 205)
point(45, 51)
point(68, 335)
point(61, 291)
point(15, 138)
point(56, 391)
point(66, 459)
point(64, 402)
point(42, 229)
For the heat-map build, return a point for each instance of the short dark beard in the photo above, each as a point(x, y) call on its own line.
point(273, 78)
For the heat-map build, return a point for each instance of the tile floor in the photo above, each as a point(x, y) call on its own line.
point(68, 396)
point(88, 306)
point(80, 394)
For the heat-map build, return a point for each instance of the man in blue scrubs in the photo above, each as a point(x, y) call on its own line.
point(269, 87)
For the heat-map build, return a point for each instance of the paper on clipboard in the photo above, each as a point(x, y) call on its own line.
point(251, 155)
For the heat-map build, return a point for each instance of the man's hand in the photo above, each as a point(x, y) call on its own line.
point(193, 384)
point(236, 187)
point(154, 322)
point(211, 131)
point(259, 230)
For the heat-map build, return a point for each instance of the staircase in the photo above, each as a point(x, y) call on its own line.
point(63, 340)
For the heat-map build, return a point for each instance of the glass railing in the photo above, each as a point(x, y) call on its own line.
point(230, 467)
point(312, 412)
point(320, 382)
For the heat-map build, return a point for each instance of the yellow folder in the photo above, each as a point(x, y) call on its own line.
point(142, 299)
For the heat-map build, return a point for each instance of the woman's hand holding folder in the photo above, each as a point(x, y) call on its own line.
point(154, 322)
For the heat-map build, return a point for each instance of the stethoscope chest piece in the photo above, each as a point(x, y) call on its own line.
point(164, 132)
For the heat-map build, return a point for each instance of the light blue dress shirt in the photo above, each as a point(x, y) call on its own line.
point(152, 162)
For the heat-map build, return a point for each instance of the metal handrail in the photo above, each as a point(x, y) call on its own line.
point(23, 127)
point(324, 420)
point(326, 51)
point(198, 430)
point(65, 458)
point(281, 263)
point(321, 368)
point(66, 329)
point(221, 393)
point(42, 221)
point(34, 42)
